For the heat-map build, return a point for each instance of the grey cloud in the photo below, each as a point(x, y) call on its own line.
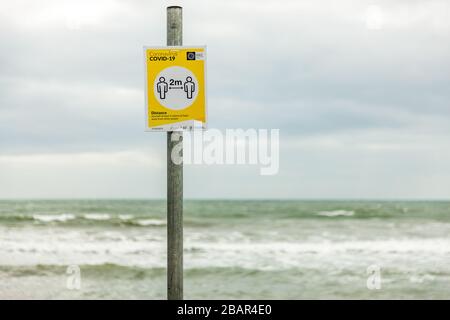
point(308, 68)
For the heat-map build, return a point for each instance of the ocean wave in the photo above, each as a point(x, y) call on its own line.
point(102, 269)
point(336, 213)
point(94, 219)
point(53, 217)
point(97, 216)
point(67, 247)
point(119, 271)
point(150, 222)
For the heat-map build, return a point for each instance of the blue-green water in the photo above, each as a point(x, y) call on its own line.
point(233, 249)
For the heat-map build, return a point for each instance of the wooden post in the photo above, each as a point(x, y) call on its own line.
point(174, 181)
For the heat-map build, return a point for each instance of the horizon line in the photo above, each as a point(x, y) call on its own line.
point(222, 199)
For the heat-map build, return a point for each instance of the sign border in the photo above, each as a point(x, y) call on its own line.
point(146, 106)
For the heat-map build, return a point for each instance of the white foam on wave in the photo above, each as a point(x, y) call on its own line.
point(97, 216)
point(53, 217)
point(147, 248)
point(150, 222)
point(125, 216)
point(336, 213)
point(407, 246)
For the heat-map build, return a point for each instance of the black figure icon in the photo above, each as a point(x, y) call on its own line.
point(162, 87)
point(189, 87)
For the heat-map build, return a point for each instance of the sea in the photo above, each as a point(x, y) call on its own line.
point(233, 249)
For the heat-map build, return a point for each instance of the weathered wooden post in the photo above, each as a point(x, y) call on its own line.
point(175, 101)
point(174, 181)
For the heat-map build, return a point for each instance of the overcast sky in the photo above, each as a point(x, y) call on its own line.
point(360, 91)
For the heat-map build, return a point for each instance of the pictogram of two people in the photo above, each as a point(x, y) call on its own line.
point(163, 87)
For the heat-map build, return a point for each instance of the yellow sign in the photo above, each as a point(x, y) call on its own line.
point(175, 89)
